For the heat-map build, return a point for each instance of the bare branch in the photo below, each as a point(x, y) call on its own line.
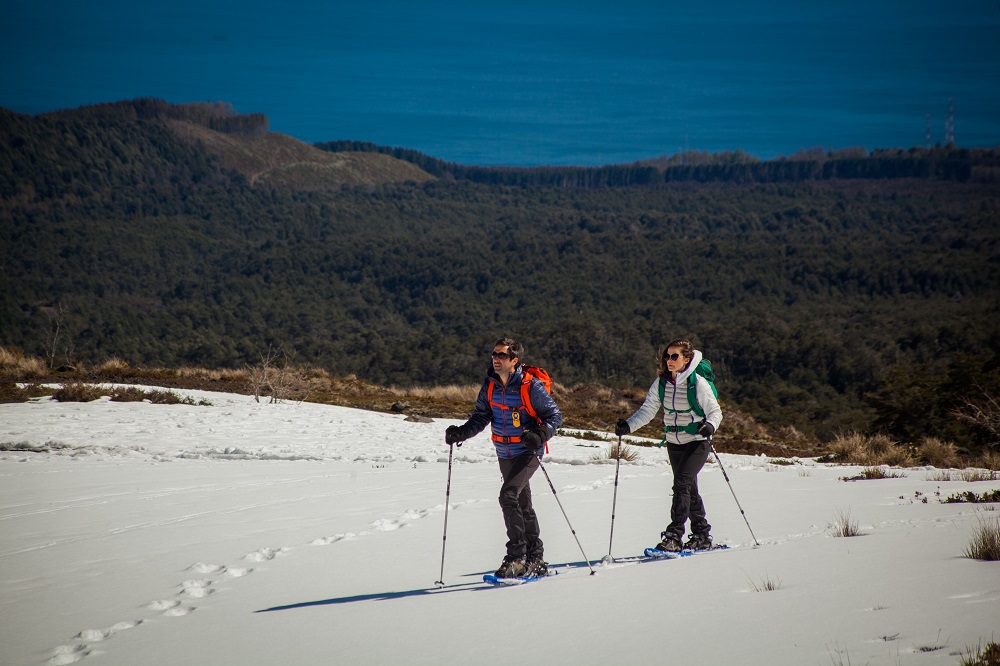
point(984, 413)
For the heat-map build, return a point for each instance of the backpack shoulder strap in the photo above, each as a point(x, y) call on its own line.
point(692, 393)
point(692, 383)
point(526, 396)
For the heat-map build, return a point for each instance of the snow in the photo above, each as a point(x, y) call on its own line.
point(297, 533)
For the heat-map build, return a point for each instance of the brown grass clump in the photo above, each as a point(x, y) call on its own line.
point(985, 543)
point(452, 393)
point(127, 394)
point(114, 370)
point(848, 447)
point(845, 525)
point(990, 460)
point(938, 453)
point(898, 456)
point(870, 451)
point(79, 392)
point(628, 453)
point(15, 365)
point(12, 392)
point(981, 656)
point(216, 375)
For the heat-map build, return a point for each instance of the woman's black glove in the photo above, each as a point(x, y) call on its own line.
point(621, 427)
point(706, 429)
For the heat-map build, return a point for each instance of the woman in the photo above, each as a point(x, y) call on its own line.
point(686, 436)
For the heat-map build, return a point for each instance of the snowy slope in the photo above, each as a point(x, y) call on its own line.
point(245, 533)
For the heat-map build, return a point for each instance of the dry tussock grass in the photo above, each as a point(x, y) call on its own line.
point(16, 365)
point(939, 453)
point(221, 374)
point(848, 447)
point(452, 393)
point(985, 543)
point(990, 460)
point(871, 451)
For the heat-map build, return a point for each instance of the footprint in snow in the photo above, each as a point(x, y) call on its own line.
point(201, 567)
point(198, 588)
point(265, 554)
point(68, 654)
point(326, 541)
point(389, 524)
point(179, 611)
point(98, 635)
point(238, 573)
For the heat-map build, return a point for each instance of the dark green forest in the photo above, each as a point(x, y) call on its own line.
point(826, 304)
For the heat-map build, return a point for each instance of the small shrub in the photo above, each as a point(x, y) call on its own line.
point(938, 453)
point(14, 392)
point(969, 497)
point(982, 656)
point(985, 544)
point(941, 475)
point(875, 472)
point(588, 435)
point(167, 398)
point(78, 392)
point(845, 525)
point(127, 394)
point(628, 453)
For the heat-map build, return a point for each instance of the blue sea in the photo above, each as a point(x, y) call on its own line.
point(519, 83)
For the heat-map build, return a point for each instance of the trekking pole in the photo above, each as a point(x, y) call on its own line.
point(447, 500)
point(592, 572)
point(726, 477)
point(614, 501)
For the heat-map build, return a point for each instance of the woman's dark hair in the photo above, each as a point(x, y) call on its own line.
point(686, 349)
point(513, 347)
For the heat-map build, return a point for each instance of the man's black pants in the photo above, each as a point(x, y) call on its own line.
point(515, 502)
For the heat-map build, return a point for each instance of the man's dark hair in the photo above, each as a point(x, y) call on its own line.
point(513, 347)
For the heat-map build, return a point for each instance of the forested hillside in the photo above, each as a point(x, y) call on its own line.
point(807, 296)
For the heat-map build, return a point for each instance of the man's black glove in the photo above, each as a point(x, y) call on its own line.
point(453, 435)
point(531, 440)
point(706, 429)
point(621, 427)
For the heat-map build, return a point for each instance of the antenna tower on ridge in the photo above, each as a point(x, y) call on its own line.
point(949, 124)
point(927, 133)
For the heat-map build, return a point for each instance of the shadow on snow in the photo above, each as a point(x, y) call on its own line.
point(387, 596)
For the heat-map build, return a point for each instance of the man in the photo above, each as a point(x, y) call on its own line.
point(519, 439)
